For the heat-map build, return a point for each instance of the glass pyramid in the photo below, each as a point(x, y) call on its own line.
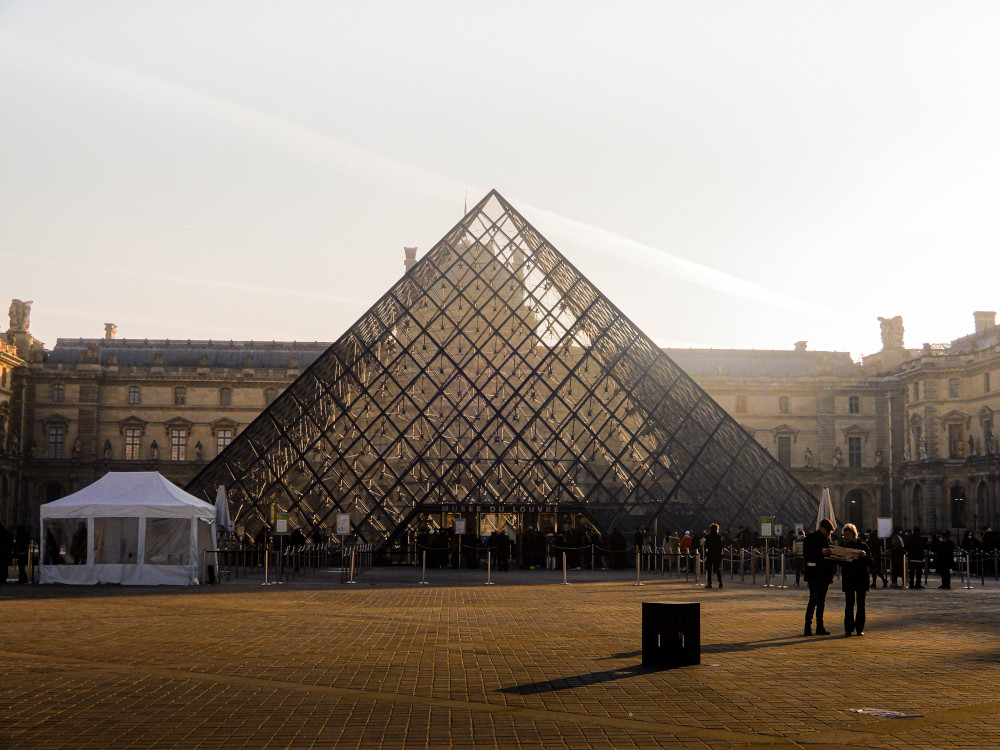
point(494, 375)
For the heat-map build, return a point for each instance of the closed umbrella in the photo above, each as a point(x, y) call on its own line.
point(826, 508)
point(222, 520)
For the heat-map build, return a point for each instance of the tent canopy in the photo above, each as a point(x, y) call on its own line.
point(130, 494)
point(134, 528)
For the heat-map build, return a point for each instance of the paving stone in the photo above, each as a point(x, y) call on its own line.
point(527, 663)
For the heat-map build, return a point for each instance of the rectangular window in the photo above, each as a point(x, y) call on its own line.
point(225, 397)
point(785, 451)
point(986, 382)
point(133, 436)
point(57, 439)
point(58, 393)
point(133, 394)
point(854, 404)
point(916, 391)
point(956, 441)
point(954, 388)
point(223, 437)
point(854, 452)
point(180, 396)
point(178, 444)
point(783, 404)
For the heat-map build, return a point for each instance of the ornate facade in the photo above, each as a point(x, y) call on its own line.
point(951, 473)
point(90, 406)
point(907, 433)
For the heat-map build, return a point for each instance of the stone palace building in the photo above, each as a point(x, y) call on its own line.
point(906, 433)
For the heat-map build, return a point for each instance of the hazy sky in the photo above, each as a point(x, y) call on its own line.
point(731, 174)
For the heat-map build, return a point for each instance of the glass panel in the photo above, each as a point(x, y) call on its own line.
point(116, 541)
point(168, 541)
point(65, 541)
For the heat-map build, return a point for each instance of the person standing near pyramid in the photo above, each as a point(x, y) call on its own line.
point(713, 555)
point(819, 574)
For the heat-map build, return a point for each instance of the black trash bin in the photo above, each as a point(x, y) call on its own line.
point(671, 634)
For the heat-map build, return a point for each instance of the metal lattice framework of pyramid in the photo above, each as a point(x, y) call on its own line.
point(494, 374)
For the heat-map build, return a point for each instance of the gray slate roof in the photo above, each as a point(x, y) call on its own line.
point(184, 353)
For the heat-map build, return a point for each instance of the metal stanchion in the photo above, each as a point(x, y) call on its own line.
point(489, 567)
point(638, 566)
point(743, 567)
point(906, 570)
point(423, 568)
point(968, 570)
point(565, 582)
point(697, 569)
point(687, 567)
point(782, 586)
point(266, 566)
point(351, 579)
point(767, 568)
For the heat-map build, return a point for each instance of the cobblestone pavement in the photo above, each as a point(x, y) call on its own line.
point(313, 663)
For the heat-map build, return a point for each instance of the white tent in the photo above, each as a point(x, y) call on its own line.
point(826, 508)
point(134, 528)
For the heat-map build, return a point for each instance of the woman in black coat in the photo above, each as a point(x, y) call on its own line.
point(855, 575)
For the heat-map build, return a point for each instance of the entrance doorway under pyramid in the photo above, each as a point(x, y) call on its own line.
point(494, 377)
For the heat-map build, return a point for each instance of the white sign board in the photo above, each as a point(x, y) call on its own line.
point(459, 525)
point(779, 529)
point(343, 524)
point(884, 528)
point(767, 527)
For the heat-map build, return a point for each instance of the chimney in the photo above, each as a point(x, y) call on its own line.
point(984, 320)
point(110, 329)
point(410, 257)
point(800, 346)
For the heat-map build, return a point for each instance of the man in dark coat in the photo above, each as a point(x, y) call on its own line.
point(915, 549)
point(6, 552)
point(944, 558)
point(819, 574)
point(897, 553)
point(713, 555)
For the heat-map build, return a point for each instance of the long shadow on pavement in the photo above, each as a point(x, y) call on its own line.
point(576, 681)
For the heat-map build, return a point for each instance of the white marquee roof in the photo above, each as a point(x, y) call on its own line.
point(130, 493)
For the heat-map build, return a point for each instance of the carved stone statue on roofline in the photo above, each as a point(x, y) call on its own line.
point(20, 315)
point(892, 332)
